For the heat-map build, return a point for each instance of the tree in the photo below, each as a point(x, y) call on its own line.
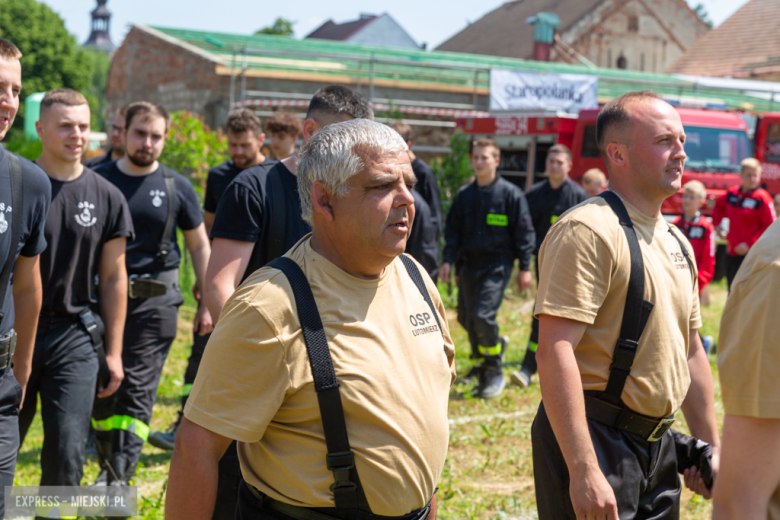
point(703, 15)
point(52, 58)
point(281, 27)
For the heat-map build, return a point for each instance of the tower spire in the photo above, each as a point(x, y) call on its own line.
point(99, 38)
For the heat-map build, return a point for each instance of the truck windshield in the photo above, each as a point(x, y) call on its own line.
point(715, 149)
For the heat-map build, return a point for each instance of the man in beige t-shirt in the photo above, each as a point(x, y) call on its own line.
point(393, 362)
point(748, 364)
point(605, 454)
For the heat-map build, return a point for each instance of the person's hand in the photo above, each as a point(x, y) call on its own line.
point(694, 481)
point(592, 497)
point(203, 323)
point(116, 375)
point(722, 231)
point(741, 249)
point(196, 292)
point(523, 280)
point(444, 272)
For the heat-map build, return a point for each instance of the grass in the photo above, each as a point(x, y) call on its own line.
point(488, 473)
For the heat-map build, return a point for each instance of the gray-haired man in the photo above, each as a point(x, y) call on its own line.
point(382, 325)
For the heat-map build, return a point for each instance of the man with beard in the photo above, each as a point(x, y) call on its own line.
point(245, 139)
point(159, 200)
point(115, 140)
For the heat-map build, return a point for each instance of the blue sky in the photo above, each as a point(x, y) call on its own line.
point(426, 21)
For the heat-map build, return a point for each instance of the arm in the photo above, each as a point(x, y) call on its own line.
point(719, 213)
point(750, 468)
point(28, 296)
point(699, 410)
point(559, 378)
point(208, 221)
point(192, 482)
point(226, 268)
point(113, 309)
point(524, 241)
point(706, 264)
point(200, 249)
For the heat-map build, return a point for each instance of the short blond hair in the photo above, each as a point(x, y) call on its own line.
point(594, 175)
point(695, 188)
point(750, 162)
point(487, 143)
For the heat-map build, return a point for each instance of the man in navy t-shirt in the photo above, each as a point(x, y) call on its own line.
point(21, 293)
point(86, 231)
point(160, 200)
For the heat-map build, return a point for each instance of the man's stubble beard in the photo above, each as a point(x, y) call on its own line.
point(141, 163)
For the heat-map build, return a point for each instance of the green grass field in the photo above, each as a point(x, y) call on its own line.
point(488, 473)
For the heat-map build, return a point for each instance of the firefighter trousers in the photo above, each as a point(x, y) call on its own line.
point(64, 373)
point(10, 399)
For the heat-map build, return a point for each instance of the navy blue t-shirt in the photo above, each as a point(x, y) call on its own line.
point(220, 178)
point(37, 199)
point(147, 198)
point(244, 211)
point(85, 213)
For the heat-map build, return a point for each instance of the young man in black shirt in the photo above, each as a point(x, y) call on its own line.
point(20, 279)
point(423, 243)
point(426, 184)
point(488, 227)
point(245, 140)
point(116, 142)
point(159, 200)
point(547, 200)
point(256, 223)
point(283, 131)
point(86, 231)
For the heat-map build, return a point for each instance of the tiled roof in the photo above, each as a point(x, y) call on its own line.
point(503, 31)
point(747, 44)
point(340, 31)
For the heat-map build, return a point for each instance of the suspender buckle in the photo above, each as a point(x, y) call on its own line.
point(623, 358)
point(340, 463)
point(663, 426)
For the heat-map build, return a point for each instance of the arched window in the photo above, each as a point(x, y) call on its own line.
point(622, 62)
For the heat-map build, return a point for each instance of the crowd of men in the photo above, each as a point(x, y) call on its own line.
point(321, 364)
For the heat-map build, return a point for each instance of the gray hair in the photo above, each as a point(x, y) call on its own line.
point(337, 152)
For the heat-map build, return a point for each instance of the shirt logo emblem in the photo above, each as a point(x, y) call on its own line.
point(157, 196)
point(696, 232)
point(3, 221)
point(497, 220)
point(85, 218)
point(748, 203)
point(422, 323)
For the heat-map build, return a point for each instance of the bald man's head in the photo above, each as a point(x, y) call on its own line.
point(613, 121)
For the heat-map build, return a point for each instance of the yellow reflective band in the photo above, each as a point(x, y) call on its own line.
point(490, 351)
point(185, 390)
point(122, 422)
point(553, 219)
point(532, 346)
point(497, 220)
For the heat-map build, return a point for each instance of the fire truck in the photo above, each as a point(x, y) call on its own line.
point(716, 143)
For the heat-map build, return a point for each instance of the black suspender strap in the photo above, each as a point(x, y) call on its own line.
point(637, 309)
point(165, 242)
point(17, 215)
point(276, 231)
point(684, 252)
point(414, 274)
point(347, 491)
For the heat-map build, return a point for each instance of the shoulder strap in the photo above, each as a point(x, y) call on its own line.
point(276, 230)
point(636, 311)
point(347, 491)
point(17, 215)
point(414, 274)
point(165, 242)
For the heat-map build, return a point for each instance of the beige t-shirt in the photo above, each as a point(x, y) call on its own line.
point(255, 384)
point(748, 347)
point(585, 267)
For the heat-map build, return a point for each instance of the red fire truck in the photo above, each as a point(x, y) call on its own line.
point(716, 144)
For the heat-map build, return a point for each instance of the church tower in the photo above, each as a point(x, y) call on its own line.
point(99, 39)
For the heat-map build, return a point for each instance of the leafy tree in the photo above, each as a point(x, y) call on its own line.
point(52, 58)
point(280, 27)
point(192, 148)
point(454, 169)
point(703, 15)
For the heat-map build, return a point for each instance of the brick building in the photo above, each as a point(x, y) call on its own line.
point(642, 35)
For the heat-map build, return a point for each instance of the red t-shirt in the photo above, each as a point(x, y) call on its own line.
point(701, 235)
point(749, 214)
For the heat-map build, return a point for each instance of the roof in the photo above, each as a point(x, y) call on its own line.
point(747, 44)
point(503, 31)
point(340, 31)
point(349, 63)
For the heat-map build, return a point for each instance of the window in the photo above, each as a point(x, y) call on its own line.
point(633, 24)
point(590, 148)
point(773, 143)
point(715, 149)
point(622, 62)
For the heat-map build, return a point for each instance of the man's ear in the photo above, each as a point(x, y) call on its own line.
point(617, 153)
point(261, 138)
point(310, 127)
point(321, 200)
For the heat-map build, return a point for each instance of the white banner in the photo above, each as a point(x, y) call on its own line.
point(517, 90)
